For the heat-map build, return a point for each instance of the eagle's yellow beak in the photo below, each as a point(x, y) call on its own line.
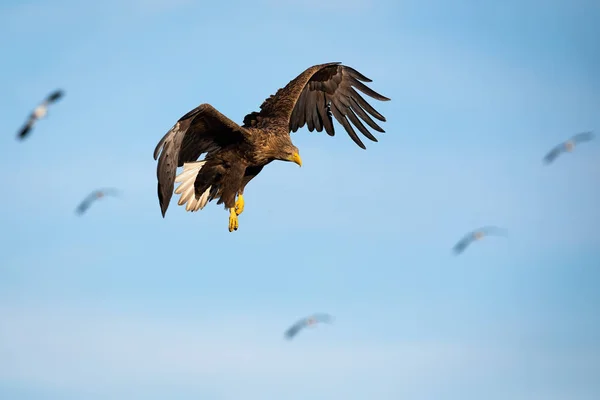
point(296, 158)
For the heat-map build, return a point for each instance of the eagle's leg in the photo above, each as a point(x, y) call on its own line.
point(239, 204)
point(233, 220)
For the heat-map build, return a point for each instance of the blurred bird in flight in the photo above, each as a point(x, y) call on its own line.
point(477, 235)
point(38, 113)
point(307, 322)
point(568, 146)
point(92, 197)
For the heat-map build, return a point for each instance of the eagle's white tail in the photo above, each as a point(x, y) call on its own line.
point(186, 188)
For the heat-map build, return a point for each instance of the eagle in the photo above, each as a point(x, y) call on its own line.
point(235, 154)
point(568, 145)
point(38, 113)
point(306, 322)
point(475, 235)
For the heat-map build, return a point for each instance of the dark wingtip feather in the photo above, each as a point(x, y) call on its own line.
point(356, 121)
point(163, 207)
point(358, 141)
point(368, 91)
point(357, 75)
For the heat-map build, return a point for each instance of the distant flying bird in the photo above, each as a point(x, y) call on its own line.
point(568, 145)
point(477, 235)
point(92, 197)
point(306, 322)
point(38, 113)
point(236, 154)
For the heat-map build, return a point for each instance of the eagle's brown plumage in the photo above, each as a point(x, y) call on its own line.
point(235, 154)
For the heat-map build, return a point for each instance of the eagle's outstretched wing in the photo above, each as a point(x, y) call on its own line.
point(202, 130)
point(315, 95)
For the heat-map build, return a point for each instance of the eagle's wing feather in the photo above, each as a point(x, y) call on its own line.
point(202, 130)
point(313, 97)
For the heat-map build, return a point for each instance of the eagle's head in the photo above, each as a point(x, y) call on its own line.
point(289, 152)
point(280, 147)
point(293, 154)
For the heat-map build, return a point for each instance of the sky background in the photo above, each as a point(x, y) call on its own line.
point(123, 304)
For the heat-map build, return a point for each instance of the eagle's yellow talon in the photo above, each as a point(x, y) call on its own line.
point(239, 204)
point(233, 220)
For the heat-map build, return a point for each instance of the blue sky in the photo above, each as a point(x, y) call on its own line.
point(123, 304)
